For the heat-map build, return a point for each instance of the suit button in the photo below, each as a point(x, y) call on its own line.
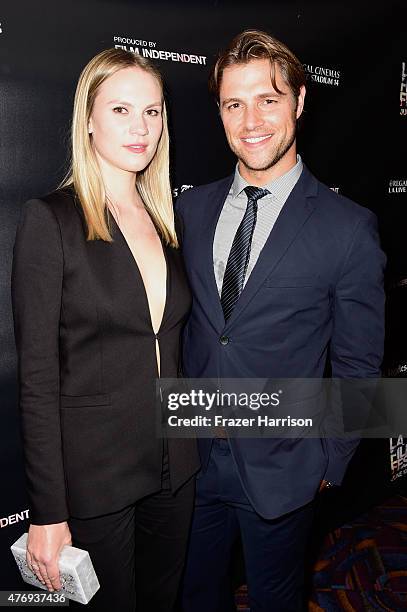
point(224, 340)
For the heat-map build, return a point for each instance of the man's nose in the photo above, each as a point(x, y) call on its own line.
point(252, 118)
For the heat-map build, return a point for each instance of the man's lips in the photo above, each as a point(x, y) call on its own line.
point(253, 141)
point(136, 148)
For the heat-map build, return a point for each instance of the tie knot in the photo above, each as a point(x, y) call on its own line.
point(255, 193)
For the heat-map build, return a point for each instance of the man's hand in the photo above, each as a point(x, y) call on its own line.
point(324, 485)
point(44, 545)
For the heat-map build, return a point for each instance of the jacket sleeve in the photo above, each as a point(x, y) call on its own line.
point(179, 217)
point(179, 228)
point(37, 278)
point(357, 341)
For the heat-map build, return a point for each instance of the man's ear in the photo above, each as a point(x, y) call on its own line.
point(300, 101)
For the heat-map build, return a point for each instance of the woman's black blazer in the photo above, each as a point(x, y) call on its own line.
point(87, 365)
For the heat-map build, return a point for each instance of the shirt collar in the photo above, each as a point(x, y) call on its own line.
point(279, 187)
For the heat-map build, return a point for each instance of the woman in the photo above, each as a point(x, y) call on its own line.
point(99, 299)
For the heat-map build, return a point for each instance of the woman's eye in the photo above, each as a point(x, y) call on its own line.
point(152, 112)
point(121, 110)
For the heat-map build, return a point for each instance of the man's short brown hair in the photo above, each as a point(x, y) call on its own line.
point(255, 44)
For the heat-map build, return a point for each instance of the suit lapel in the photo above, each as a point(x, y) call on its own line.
point(295, 212)
point(216, 200)
point(117, 277)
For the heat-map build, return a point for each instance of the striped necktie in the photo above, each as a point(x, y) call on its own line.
point(239, 255)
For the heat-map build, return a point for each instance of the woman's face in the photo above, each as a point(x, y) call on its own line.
point(126, 120)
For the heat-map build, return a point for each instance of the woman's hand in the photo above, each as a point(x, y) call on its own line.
point(44, 545)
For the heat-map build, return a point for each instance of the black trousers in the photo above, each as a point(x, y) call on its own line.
point(138, 553)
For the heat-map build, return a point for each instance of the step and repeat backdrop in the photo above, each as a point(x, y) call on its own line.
point(353, 137)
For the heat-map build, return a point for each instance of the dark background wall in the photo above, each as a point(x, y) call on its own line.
point(353, 137)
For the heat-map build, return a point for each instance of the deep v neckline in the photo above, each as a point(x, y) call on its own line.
point(138, 271)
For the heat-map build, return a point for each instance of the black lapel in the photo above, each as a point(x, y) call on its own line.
point(134, 274)
point(117, 282)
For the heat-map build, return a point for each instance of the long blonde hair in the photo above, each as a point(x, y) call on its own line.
point(153, 183)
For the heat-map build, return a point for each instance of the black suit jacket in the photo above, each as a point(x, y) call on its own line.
point(87, 365)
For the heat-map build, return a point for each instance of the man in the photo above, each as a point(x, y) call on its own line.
point(287, 279)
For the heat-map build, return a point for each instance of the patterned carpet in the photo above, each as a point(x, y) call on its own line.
point(362, 565)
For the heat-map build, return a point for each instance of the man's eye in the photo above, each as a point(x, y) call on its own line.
point(121, 110)
point(270, 101)
point(233, 106)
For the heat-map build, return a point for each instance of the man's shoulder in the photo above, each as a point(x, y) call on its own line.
point(341, 208)
point(199, 194)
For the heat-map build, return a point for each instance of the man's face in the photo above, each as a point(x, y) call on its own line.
point(259, 123)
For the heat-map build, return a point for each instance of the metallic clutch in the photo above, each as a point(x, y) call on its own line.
point(78, 578)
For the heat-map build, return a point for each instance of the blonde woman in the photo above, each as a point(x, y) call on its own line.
point(99, 299)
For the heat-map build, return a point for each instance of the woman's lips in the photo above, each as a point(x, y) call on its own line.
point(136, 148)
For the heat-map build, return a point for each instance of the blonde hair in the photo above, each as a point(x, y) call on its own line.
point(153, 183)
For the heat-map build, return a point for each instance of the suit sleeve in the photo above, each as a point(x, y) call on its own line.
point(179, 228)
point(179, 217)
point(358, 331)
point(37, 278)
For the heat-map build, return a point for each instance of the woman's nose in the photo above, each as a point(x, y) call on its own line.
point(138, 125)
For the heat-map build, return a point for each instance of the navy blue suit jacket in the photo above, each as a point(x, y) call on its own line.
point(315, 293)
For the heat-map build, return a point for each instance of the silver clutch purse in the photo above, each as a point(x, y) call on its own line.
point(78, 578)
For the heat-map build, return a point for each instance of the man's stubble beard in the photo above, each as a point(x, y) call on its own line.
point(278, 154)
